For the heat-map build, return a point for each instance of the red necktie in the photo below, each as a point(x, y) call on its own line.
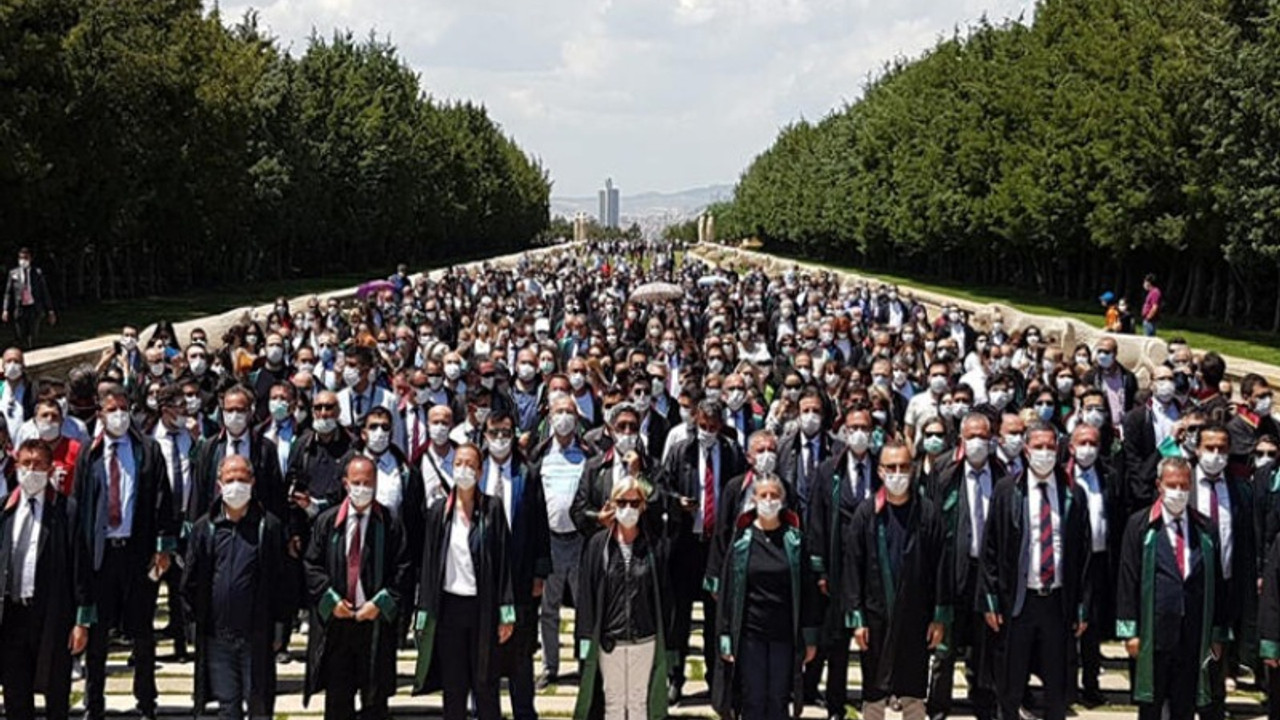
point(417, 430)
point(353, 562)
point(1046, 539)
point(709, 499)
point(1180, 548)
point(114, 515)
point(1213, 503)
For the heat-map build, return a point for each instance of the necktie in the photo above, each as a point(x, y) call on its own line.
point(708, 498)
point(114, 516)
point(1046, 539)
point(417, 430)
point(175, 471)
point(353, 561)
point(1180, 547)
point(861, 488)
point(359, 403)
point(810, 464)
point(236, 445)
point(1213, 502)
point(979, 512)
point(27, 297)
point(18, 559)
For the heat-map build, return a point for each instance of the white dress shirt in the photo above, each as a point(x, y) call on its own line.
point(357, 522)
point(162, 436)
point(437, 474)
point(1087, 478)
point(1035, 503)
point(123, 449)
point(26, 506)
point(390, 492)
point(1206, 489)
point(459, 571)
point(496, 472)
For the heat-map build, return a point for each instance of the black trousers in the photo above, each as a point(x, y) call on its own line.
point(1174, 678)
point(25, 324)
point(125, 596)
point(21, 631)
point(1273, 693)
point(833, 653)
point(177, 627)
point(1037, 637)
point(690, 565)
point(348, 664)
point(1086, 655)
point(764, 674)
point(515, 661)
point(971, 640)
point(458, 645)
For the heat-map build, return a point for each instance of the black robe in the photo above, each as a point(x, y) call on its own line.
point(385, 568)
point(489, 539)
point(270, 605)
point(831, 508)
point(896, 610)
point(57, 594)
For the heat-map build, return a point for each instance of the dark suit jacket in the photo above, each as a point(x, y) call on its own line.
point(1141, 456)
point(39, 292)
point(790, 459)
point(681, 475)
point(530, 549)
point(207, 455)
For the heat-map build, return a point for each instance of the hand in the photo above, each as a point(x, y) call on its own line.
point(688, 503)
point(368, 613)
point(277, 646)
point(1081, 627)
point(863, 637)
point(295, 547)
point(823, 587)
point(53, 318)
point(810, 652)
point(108, 354)
point(1215, 649)
point(936, 632)
point(606, 515)
point(161, 562)
point(1272, 663)
point(538, 585)
point(301, 499)
point(726, 657)
point(343, 611)
point(504, 632)
point(78, 640)
point(994, 621)
point(1132, 646)
point(5, 316)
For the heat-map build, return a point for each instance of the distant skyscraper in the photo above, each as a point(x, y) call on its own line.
point(609, 203)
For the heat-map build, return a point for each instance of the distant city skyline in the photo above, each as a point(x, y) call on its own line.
point(610, 206)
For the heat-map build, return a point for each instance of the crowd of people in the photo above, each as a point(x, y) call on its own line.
point(823, 466)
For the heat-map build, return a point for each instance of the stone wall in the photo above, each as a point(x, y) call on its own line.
point(1138, 352)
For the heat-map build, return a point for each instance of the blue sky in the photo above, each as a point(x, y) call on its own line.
point(659, 94)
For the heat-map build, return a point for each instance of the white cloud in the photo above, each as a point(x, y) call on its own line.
point(658, 94)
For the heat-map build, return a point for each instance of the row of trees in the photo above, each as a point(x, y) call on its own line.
point(147, 147)
point(1072, 154)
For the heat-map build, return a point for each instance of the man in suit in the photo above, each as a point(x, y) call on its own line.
point(38, 617)
point(176, 442)
point(1034, 589)
point(963, 489)
point(842, 483)
point(803, 450)
point(1090, 470)
point(1112, 377)
point(361, 393)
point(1168, 593)
point(1147, 428)
point(17, 393)
point(128, 528)
point(1253, 420)
point(512, 481)
point(696, 471)
point(27, 300)
point(236, 438)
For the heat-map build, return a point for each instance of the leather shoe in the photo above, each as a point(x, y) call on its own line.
point(1093, 699)
point(544, 681)
point(674, 692)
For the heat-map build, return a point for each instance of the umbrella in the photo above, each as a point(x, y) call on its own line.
point(656, 292)
point(373, 287)
point(709, 280)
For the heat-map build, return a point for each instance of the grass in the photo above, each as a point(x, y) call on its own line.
point(1257, 345)
point(107, 317)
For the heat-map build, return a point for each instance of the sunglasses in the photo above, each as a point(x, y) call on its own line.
point(625, 503)
point(378, 426)
point(499, 434)
point(325, 406)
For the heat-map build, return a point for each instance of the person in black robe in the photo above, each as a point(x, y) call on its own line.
point(1034, 586)
point(38, 613)
point(1269, 629)
point(893, 595)
point(465, 601)
point(233, 595)
point(1169, 601)
point(352, 643)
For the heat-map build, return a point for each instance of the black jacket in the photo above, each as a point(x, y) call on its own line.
point(207, 456)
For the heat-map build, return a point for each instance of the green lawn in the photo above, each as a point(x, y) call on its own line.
point(105, 318)
point(1254, 345)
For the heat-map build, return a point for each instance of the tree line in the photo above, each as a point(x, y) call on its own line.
point(1071, 154)
point(149, 147)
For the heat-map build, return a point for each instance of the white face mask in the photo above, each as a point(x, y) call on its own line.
point(236, 494)
point(563, 423)
point(976, 450)
point(117, 423)
point(324, 426)
point(735, 399)
point(377, 440)
point(1174, 501)
point(193, 405)
point(1213, 463)
point(279, 409)
point(452, 371)
point(439, 433)
point(577, 380)
point(1043, 460)
point(32, 482)
point(626, 442)
point(810, 423)
point(500, 447)
point(464, 477)
point(858, 440)
point(897, 484)
point(1086, 455)
point(686, 416)
point(235, 422)
point(769, 509)
point(1164, 390)
point(360, 495)
point(999, 398)
point(157, 369)
point(13, 370)
point(1011, 444)
point(766, 462)
point(275, 354)
point(706, 439)
point(526, 371)
point(48, 431)
point(350, 376)
point(627, 517)
point(1262, 406)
